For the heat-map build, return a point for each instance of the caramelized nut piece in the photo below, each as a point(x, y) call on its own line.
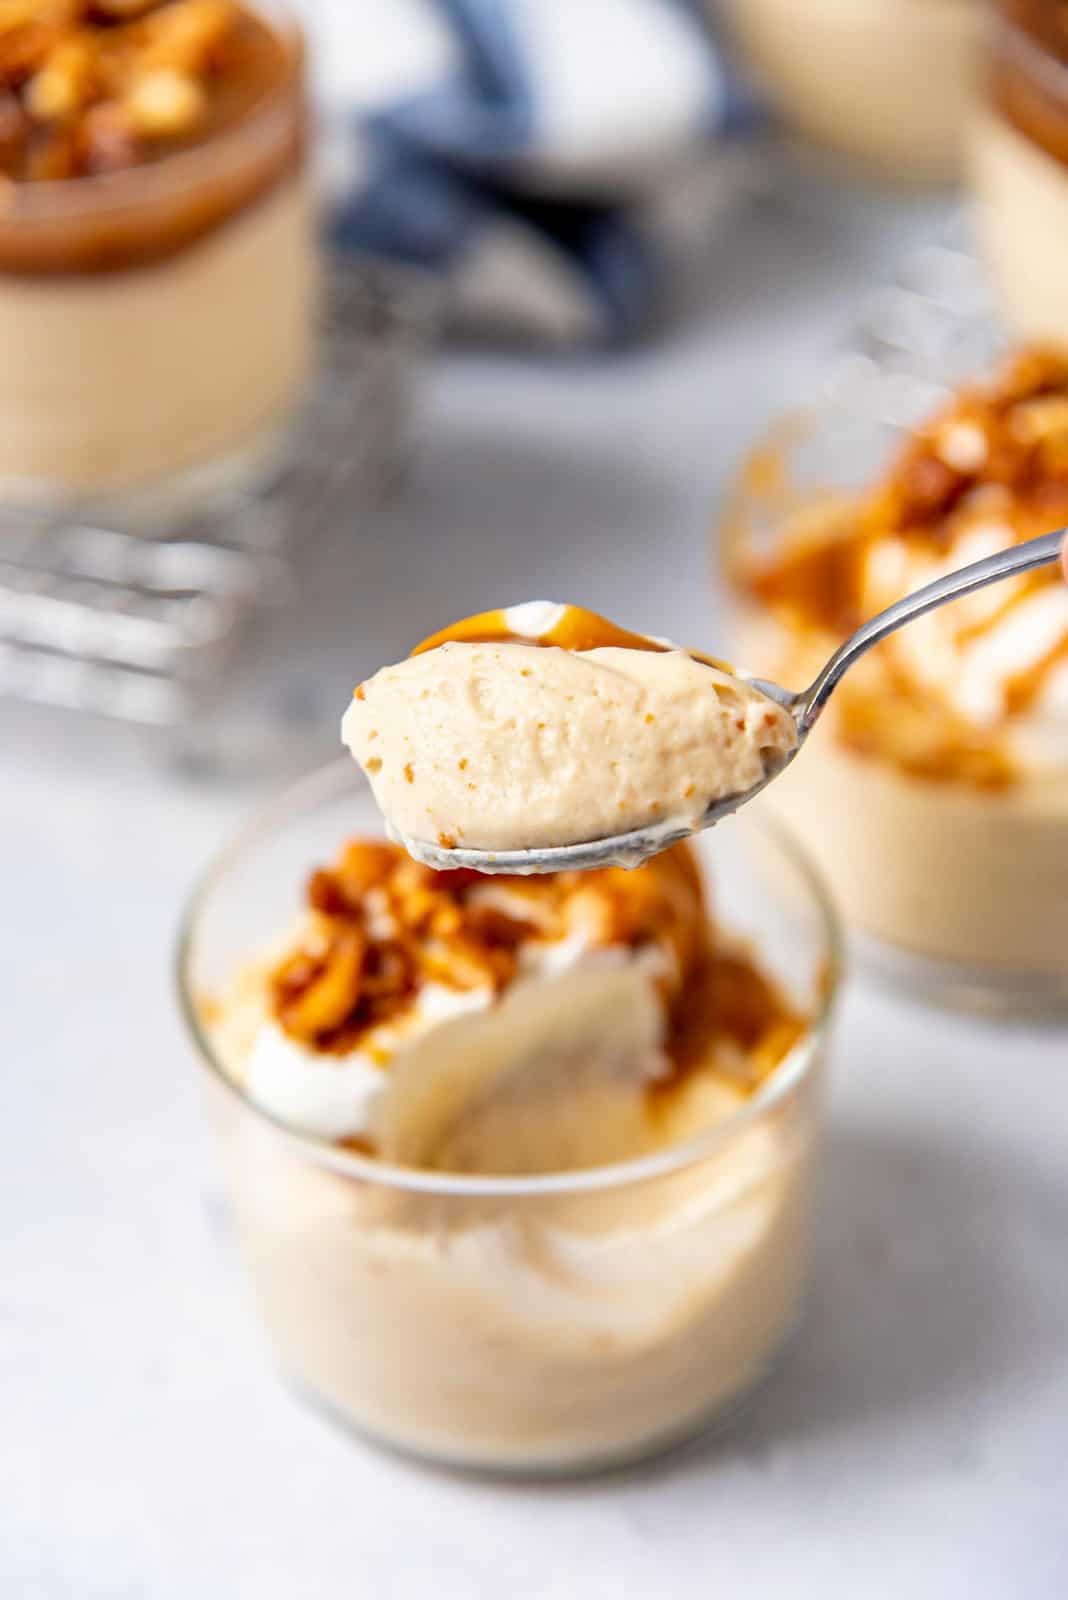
point(464, 963)
point(164, 102)
point(14, 130)
point(332, 995)
point(64, 84)
point(121, 10)
point(184, 37)
point(108, 137)
point(157, 65)
point(1040, 419)
point(364, 864)
point(23, 49)
point(389, 970)
point(53, 156)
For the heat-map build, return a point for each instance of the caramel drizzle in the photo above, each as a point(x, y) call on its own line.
point(578, 630)
point(811, 588)
point(1024, 689)
point(817, 582)
point(1030, 57)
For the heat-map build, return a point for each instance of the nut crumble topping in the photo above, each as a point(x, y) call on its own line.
point(95, 86)
point(993, 465)
point(380, 926)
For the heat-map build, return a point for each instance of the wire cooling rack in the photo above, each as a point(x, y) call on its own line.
point(145, 625)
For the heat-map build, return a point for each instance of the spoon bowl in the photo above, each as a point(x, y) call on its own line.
point(805, 707)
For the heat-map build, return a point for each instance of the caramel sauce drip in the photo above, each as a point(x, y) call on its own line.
point(749, 1012)
point(577, 630)
point(929, 498)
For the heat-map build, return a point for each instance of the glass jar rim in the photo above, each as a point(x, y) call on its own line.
point(29, 203)
point(322, 782)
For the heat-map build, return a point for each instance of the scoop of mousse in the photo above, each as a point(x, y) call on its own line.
point(545, 725)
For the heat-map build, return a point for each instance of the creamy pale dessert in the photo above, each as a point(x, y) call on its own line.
point(156, 254)
point(547, 725)
point(446, 1026)
point(392, 963)
point(889, 83)
point(936, 798)
point(1019, 164)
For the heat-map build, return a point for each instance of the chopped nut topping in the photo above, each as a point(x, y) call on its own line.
point(163, 102)
point(89, 86)
point(382, 926)
point(65, 81)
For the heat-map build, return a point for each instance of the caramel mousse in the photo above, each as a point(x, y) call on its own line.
point(482, 1027)
point(937, 799)
point(156, 261)
point(546, 725)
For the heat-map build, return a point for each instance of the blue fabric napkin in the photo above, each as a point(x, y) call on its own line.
point(522, 169)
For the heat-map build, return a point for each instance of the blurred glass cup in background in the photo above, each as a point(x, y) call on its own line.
point(886, 83)
point(156, 321)
point(957, 890)
point(1019, 165)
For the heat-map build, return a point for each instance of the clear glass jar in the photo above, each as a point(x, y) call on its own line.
point(1018, 164)
point(157, 322)
point(886, 83)
point(951, 891)
point(538, 1324)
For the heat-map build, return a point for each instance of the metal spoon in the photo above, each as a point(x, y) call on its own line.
point(630, 849)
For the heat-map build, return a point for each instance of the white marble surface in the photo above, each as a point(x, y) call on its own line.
point(913, 1444)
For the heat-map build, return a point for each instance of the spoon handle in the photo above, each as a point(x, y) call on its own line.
point(1041, 552)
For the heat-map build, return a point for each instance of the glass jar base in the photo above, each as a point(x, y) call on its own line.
point(983, 991)
point(251, 466)
point(707, 1427)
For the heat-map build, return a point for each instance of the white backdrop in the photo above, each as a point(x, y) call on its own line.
point(914, 1441)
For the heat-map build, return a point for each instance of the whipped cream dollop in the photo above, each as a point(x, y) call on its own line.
point(582, 1035)
point(524, 731)
point(351, 1094)
point(338, 1096)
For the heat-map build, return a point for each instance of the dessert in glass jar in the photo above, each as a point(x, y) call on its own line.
point(1019, 165)
point(887, 83)
point(156, 248)
point(935, 794)
point(521, 1168)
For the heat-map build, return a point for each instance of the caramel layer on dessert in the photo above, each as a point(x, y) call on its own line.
point(131, 128)
point(567, 627)
point(574, 629)
point(1029, 72)
point(382, 927)
point(988, 471)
